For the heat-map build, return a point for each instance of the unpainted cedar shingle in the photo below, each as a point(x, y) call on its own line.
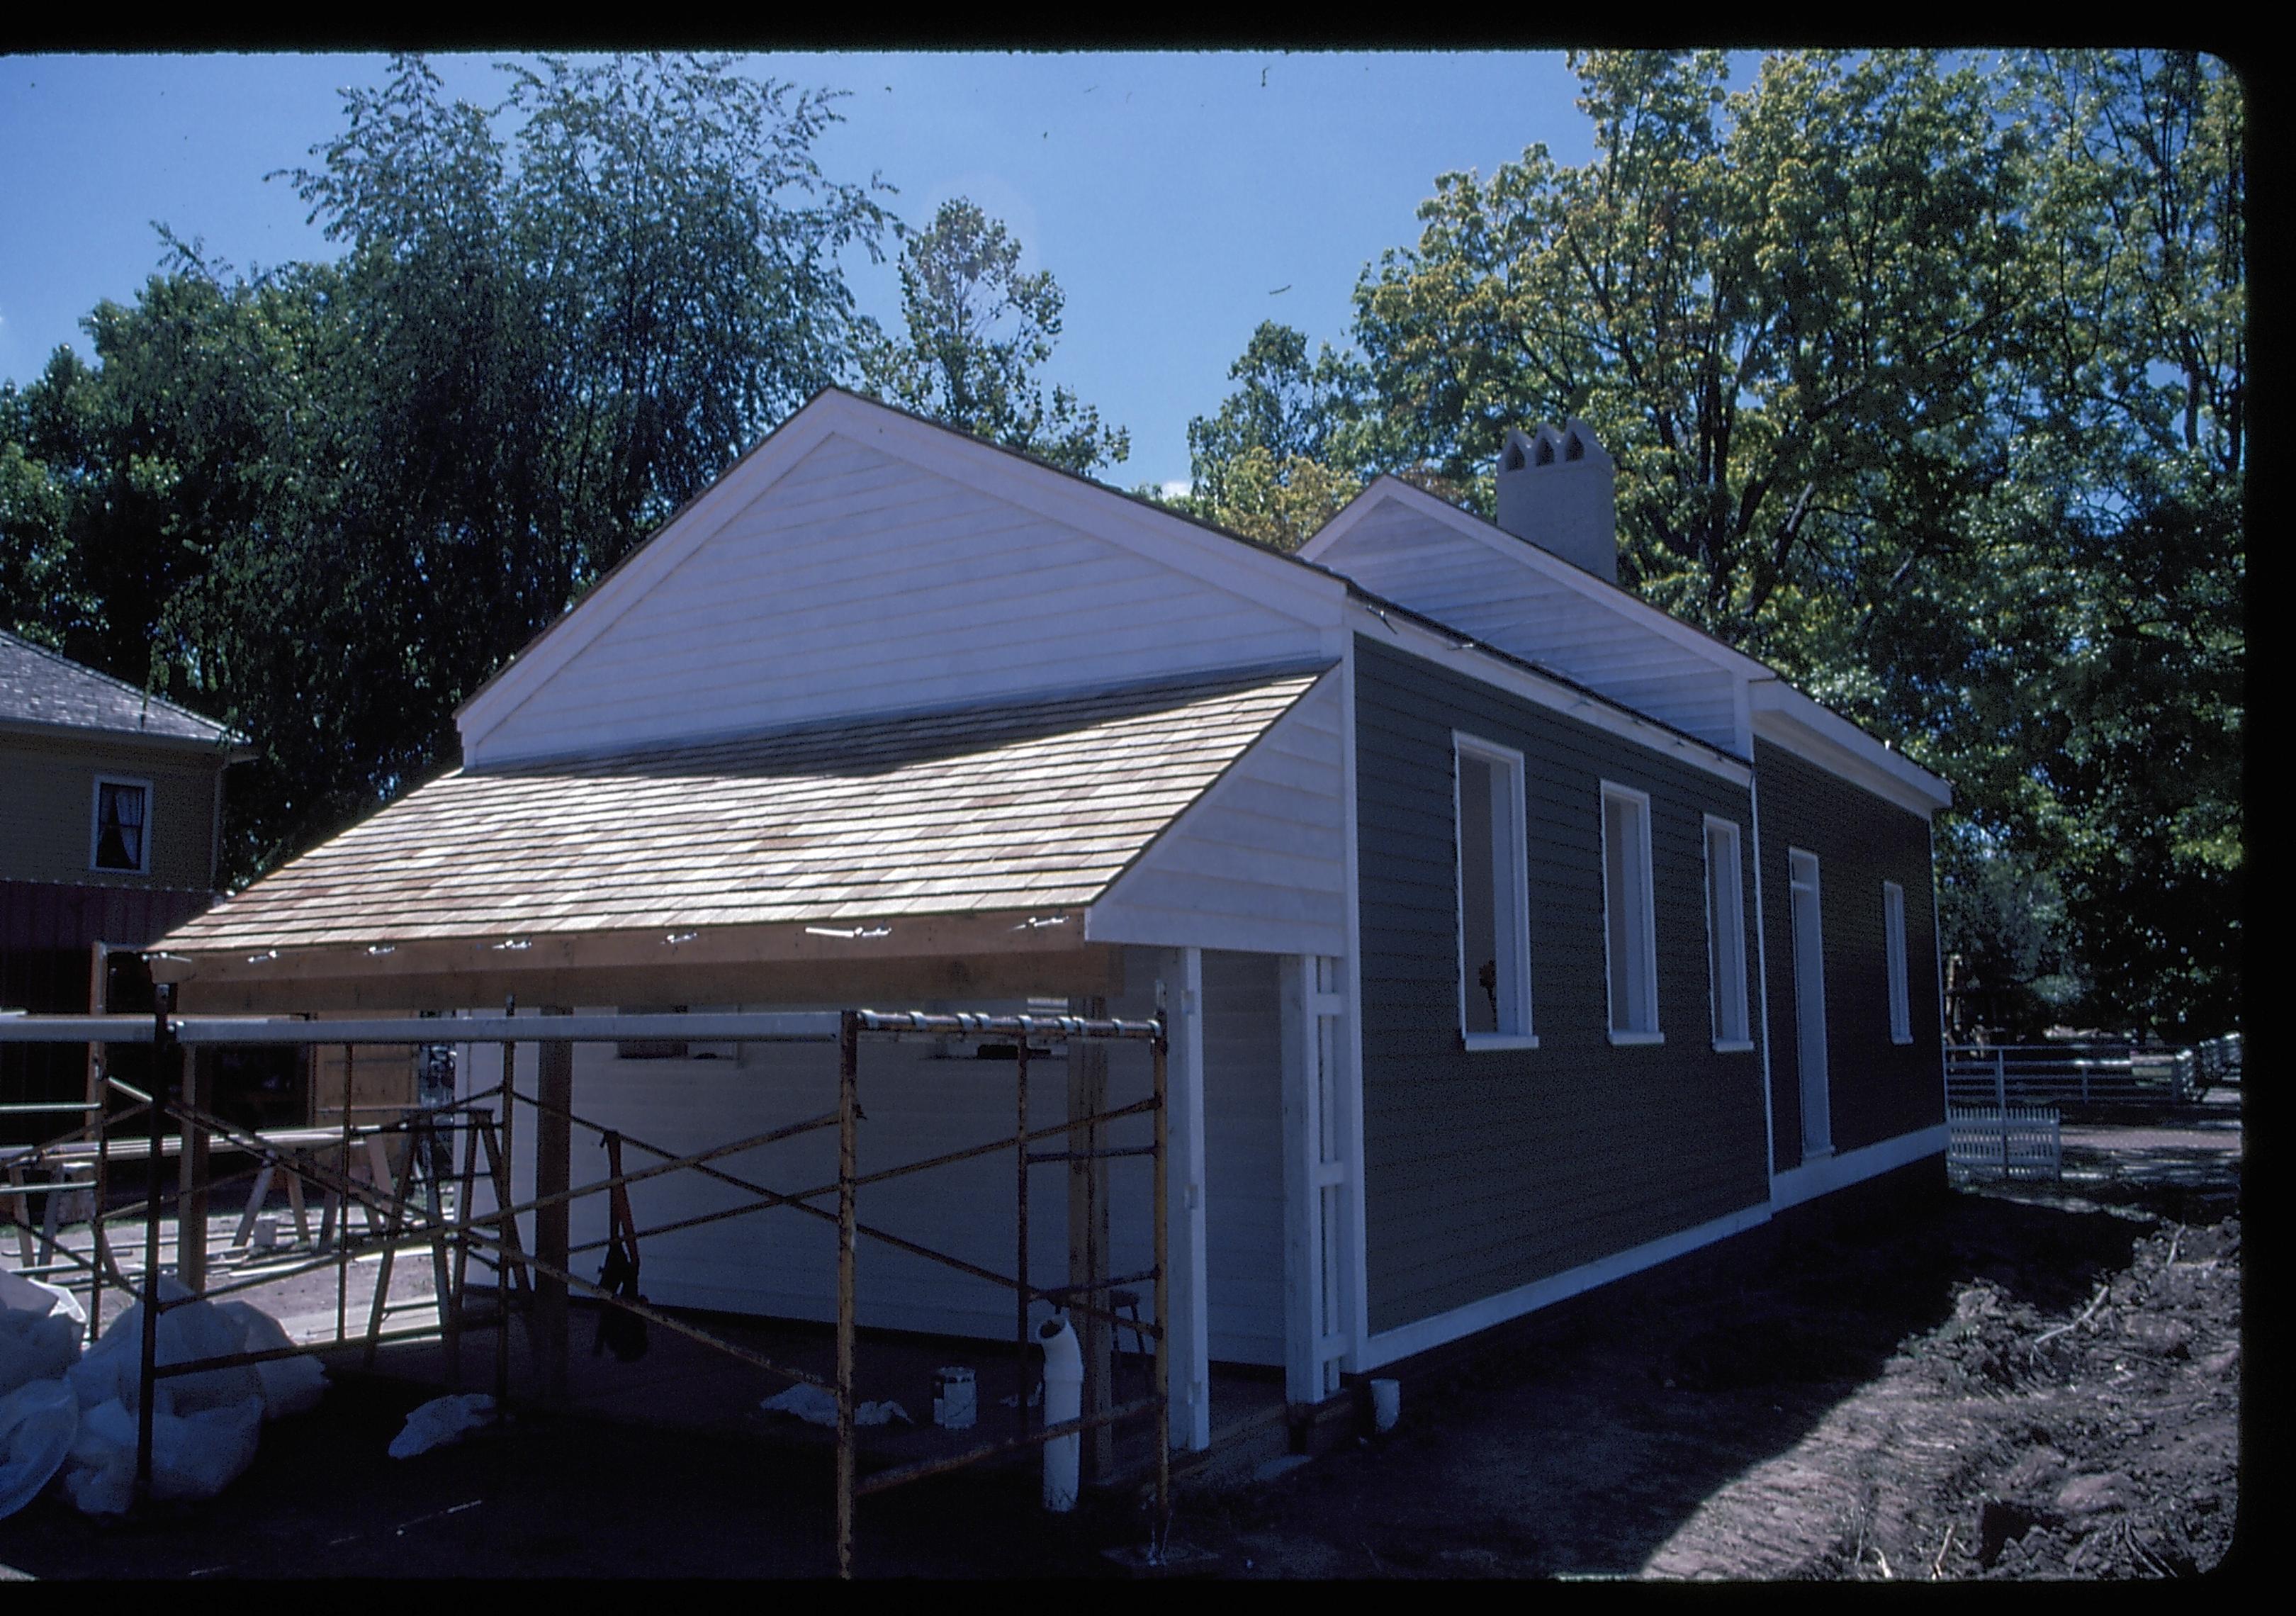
point(1034, 804)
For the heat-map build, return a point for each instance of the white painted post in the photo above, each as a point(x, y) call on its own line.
point(1303, 1313)
point(1190, 1340)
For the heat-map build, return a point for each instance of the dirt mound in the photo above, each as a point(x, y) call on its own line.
point(2012, 1441)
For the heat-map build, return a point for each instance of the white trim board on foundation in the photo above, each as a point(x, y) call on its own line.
point(1812, 1179)
point(1442, 1328)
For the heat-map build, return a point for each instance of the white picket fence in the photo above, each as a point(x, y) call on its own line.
point(1991, 1142)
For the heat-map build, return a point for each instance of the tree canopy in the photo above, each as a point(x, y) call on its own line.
point(555, 321)
point(1925, 377)
point(978, 329)
point(1925, 380)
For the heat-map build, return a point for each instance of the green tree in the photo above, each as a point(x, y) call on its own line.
point(1287, 450)
point(978, 328)
point(325, 502)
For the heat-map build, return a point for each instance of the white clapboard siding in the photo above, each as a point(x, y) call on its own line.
point(1259, 863)
point(1428, 565)
point(859, 582)
point(781, 1263)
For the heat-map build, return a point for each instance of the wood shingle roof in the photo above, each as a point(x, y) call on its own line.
point(1040, 804)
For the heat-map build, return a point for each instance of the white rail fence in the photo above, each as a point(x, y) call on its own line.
point(2002, 1075)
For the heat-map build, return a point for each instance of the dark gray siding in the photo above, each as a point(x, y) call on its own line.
point(1878, 1089)
point(1489, 1170)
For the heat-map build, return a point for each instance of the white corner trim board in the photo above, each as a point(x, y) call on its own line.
point(1812, 1179)
point(1419, 1336)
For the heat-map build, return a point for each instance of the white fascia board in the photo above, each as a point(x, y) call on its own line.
point(1786, 717)
point(1421, 1334)
point(1828, 1174)
point(1263, 578)
point(1468, 659)
point(1521, 552)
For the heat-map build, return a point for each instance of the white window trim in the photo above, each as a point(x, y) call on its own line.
point(1893, 955)
point(95, 823)
point(1651, 1034)
point(1507, 758)
point(1722, 1046)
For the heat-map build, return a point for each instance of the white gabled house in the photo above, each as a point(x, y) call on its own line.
point(1515, 935)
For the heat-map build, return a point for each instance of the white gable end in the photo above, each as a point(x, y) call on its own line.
point(853, 579)
point(1259, 861)
point(1470, 583)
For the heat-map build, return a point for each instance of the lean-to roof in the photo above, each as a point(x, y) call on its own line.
point(1039, 804)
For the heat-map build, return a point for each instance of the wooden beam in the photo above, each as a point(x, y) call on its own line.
point(843, 941)
point(1088, 1221)
point(554, 1175)
point(885, 982)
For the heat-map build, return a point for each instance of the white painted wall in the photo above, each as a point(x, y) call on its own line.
point(1430, 566)
point(1259, 861)
point(858, 581)
point(781, 1263)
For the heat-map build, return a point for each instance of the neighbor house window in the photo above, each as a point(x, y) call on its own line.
point(123, 813)
point(1629, 933)
point(1726, 934)
point(1494, 898)
point(1893, 943)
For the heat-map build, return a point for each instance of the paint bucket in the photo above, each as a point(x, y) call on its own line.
point(1386, 1405)
point(956, 1400)
point(265, 1237)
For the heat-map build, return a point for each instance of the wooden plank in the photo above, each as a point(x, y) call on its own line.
point(873, 983)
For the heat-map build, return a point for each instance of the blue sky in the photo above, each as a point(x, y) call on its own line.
point(1179, 199)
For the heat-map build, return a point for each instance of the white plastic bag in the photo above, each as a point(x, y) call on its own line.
point(110, 1369)
point(291, 1385)
point(19, 1293)
point(194, 1456)
point(37, 1424)
point(441, 1422)
point(34, 1347)
point(815, 1407)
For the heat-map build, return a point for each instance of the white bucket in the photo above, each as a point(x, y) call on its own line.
point(265, 1237)
point(1063, 1402)
point(956, 1400)
point(1386, 1405)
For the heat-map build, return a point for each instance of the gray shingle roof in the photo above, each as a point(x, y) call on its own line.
point(1037, 804)
point(39, 687)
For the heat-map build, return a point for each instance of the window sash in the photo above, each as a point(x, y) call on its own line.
point(1726, 932)
point(122, 807)
point(1628, 928)
point(1493, 894)
point(1893, 943)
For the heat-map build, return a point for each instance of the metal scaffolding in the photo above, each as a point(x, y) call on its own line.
point(526, 1275)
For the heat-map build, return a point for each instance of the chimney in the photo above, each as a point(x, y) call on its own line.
point(1558, 490)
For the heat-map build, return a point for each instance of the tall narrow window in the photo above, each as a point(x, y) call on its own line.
point(1893, 944)
point(1494, 898)
point(1629, 933)
point(1726, 934)
point(122, 808)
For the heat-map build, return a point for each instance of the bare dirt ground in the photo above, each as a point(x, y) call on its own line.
point(2027, 1381)
point(2021, 1382)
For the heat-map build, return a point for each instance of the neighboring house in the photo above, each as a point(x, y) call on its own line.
point(110, 810)
point(1516, 936)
